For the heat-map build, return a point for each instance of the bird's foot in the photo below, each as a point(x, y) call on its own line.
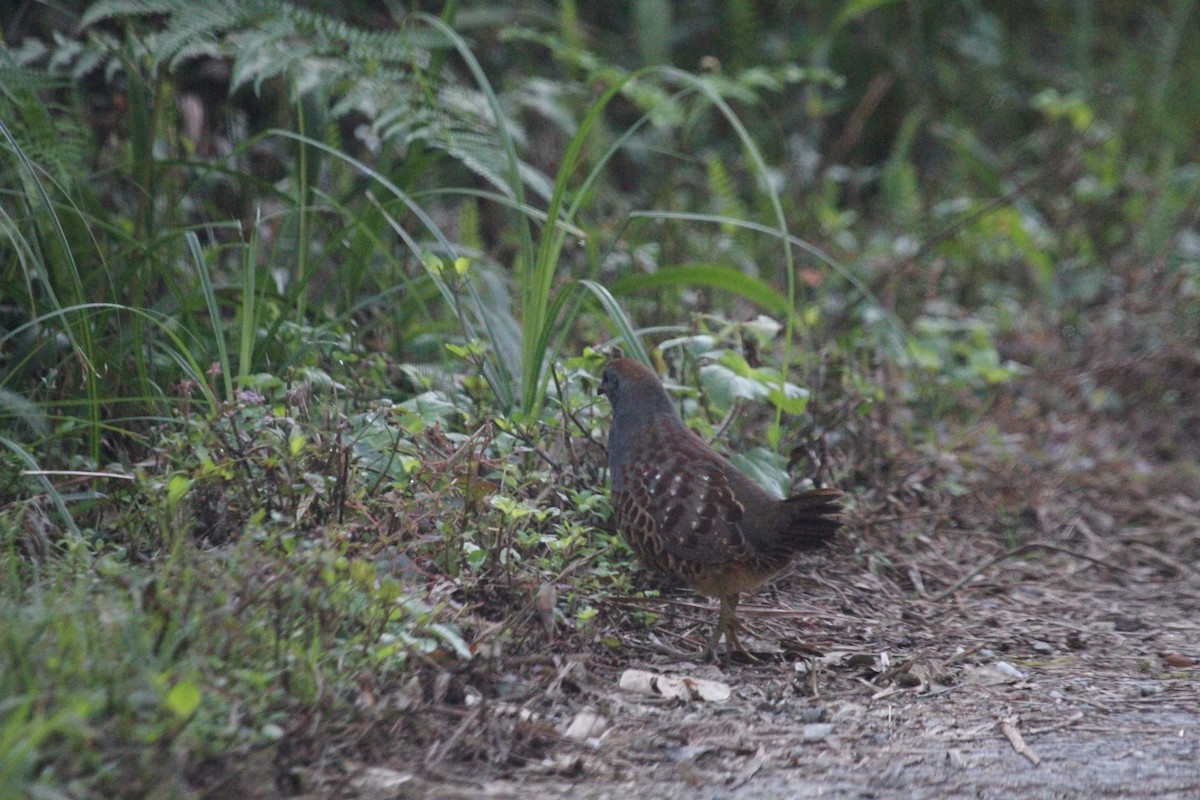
point(733, 644)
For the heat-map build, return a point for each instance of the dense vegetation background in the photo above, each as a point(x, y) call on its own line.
point(302, 308)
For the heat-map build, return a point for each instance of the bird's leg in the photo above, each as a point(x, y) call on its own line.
point(732, 642)
point(727, 624)
point(711, 647)
point(732, 625)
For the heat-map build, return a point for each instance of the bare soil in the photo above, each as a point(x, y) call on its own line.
point(1085, 664)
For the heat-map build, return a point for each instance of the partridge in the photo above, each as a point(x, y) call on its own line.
point(688, 512)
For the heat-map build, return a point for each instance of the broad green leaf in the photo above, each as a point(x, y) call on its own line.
point(433, 265)
point(766, 467)
point(177, 489)
point(793, 400)
point(723, 385)
point(431, 406)
point(183, 699)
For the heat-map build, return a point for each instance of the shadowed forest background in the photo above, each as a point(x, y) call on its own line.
point(303, 307)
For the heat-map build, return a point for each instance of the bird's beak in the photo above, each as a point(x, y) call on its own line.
point(607, 385)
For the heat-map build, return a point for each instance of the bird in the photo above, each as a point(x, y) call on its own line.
point(688, 512)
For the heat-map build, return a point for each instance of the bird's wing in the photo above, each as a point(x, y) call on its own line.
point(680, 507)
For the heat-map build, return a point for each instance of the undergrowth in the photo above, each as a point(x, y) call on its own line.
point(303, 312)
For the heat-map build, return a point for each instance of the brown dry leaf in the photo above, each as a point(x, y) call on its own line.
point(544, 603)
point(1008, 726)
point(1177, 660)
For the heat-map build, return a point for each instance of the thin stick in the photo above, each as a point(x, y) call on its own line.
point(1020, 551)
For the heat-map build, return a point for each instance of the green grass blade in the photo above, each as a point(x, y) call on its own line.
point(617, 317)
point(28, 460)
point(214, 311)
point(82, 340)
point(538, 323)
point(714, 276)
point(760, 169)
point(250, 310)
point(838, 267)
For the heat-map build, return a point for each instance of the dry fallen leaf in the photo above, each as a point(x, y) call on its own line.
point(1008, 726)
point(1177, 660)
point(544, 603)
point(587, 724)
point(674, 687)
point(380, 779)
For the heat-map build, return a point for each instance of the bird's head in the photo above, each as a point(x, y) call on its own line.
point(633, 389)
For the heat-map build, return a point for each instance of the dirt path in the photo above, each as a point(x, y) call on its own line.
point(1094, 668)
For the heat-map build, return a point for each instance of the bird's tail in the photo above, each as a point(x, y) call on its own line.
point(813, 517)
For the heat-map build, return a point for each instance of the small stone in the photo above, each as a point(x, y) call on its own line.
point(815, 732)
point(585, 725)
point(814, 714)
point(1043, 648)
point(1008, 670)
point(1125, 624)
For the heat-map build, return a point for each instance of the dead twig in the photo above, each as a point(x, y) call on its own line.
point(1008, 727)
point(752, 767)
point(1060, 725)
point(959, 656)
point(1020, 551)
point(1166, 560)
point(440, 749)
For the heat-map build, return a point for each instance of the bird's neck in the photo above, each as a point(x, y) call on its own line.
point(632, 430)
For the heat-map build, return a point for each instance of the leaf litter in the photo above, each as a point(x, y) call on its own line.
point(1035, 635)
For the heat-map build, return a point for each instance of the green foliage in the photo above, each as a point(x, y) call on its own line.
point(958, 352)
point(288, 405)
point(714, 276)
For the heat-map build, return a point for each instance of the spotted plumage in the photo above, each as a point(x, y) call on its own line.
point(688, 512)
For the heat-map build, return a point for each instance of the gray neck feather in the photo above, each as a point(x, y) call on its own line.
point(631, 413)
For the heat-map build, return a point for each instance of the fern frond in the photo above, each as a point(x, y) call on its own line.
point(380, 75)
